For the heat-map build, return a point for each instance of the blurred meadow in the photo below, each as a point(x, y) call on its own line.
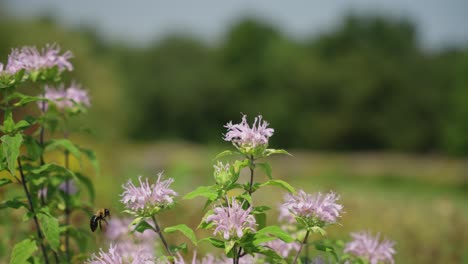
point(366, 107)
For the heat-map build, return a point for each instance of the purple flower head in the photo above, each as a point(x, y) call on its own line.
point(283, 248)
point(72, 188)
point(232, 220)
point(65, 98)
point(318, 207)
point(148, 199)
point(14, 64)
point(33, 59)
point(371, 248)
point(113, 256)
point(243, 136)
point(77, 95)
point(284, 213)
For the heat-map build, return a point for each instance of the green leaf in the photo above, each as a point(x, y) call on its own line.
point(269, 152)
point(91, 155)
point(214, 242)
point(229, 245)
point(50, 228)
point(11, 150)
point(182, 247)
point(22, 251)
point(5, 181)
point(260, 219)
point(26, 99)
point(320, 230)
point(279, 183)
point(266, 168)
point(33, 148)
point(225, 153)
point(66, 144)
point(276, 231)
point(13, 203)
point(22, 124)
point(206, 191)
point(88, 184)
point(51, 167)
point(329, 249)
point(142, 226)
point(8, 123)
point(187, 231)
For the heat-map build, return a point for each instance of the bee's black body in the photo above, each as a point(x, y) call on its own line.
point(96, 219)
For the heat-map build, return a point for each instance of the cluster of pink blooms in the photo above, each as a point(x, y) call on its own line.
point(242, 135)
point(31, 59)
point(366, 246)
point(148, 198)
point(318, 206)
point(65, 98)
point(114, 256)
point(231, 220)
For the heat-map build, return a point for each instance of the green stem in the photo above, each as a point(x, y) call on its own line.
point(300, 248)
point(31, 209)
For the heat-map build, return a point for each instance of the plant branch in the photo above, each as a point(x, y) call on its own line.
point(158, 231)
point(300, 248)
point(67, 208)
point(31, 209)
point(251, 167)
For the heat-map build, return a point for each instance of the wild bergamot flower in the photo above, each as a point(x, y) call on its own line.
point(370, 247)
point(231, 220)
point(148, 199)
point(249, 140)
point(316, 209)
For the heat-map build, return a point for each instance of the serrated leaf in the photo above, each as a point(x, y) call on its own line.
point(184, 229)
point(276, 231)
point(50, 228)
point(22, 251)
point(281, 184)
point(266, 168)
point(11, 150)
point(66, 144)
point(208, 192)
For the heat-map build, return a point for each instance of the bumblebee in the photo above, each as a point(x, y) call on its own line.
point(98, 217)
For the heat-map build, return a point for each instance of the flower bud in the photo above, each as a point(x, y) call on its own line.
point(222, 174)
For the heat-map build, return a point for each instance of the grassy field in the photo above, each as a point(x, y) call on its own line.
point(421, 202)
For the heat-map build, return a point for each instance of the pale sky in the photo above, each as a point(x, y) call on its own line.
point(440, 22)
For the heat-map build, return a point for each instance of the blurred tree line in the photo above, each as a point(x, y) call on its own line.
point(367, 84)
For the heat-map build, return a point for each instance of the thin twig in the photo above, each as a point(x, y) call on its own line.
point(300, 248)
point(158, 230)
point(31, 209)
